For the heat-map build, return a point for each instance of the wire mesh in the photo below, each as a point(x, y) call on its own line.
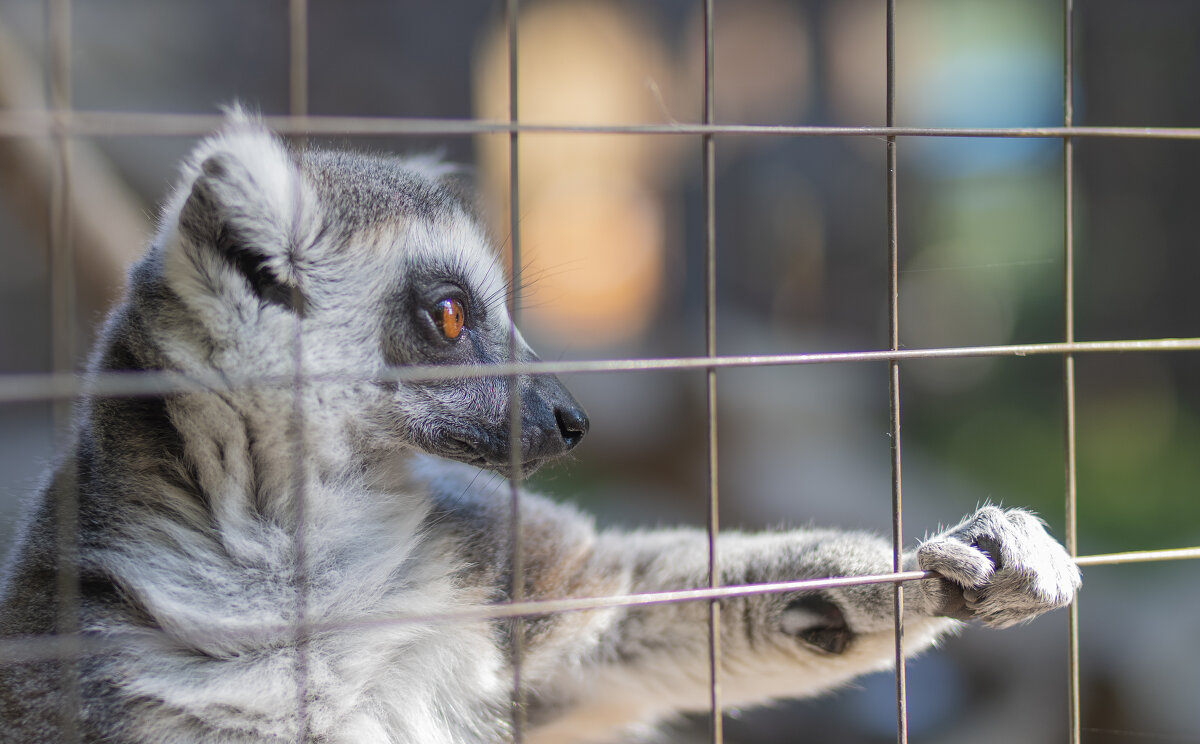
point(61, 122)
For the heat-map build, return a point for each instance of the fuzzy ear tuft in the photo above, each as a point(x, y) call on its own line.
point(247, 203)
point(236, 115)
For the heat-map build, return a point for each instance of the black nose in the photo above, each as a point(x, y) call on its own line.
point(572, 424)
point(552, 421)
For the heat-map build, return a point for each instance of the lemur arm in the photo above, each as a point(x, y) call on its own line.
point(651, 661)
point(596, 672)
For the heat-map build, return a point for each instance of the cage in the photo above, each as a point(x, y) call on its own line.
point(794, 226)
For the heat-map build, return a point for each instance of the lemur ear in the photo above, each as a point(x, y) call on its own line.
point(247, 203)
point(456, 178)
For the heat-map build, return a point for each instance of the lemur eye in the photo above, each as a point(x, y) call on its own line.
point(450, 317)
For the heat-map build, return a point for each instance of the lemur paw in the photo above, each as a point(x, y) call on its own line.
point(998, 566)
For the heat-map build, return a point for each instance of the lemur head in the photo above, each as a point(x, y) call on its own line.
point(353, 264)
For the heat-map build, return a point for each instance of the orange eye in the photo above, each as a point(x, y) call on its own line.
point(450, 317)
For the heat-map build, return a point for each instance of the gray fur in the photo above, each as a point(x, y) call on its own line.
point(192, 506)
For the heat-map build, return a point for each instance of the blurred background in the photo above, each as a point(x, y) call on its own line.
point(612, 243)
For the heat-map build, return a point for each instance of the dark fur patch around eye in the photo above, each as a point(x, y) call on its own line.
point(411, 334)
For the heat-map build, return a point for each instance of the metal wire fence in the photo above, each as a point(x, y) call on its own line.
point(62, 124)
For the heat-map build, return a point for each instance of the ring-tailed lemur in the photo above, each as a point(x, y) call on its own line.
point(204, 538)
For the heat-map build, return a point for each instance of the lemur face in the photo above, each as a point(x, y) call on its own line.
point(359, 264)
point(448, 307)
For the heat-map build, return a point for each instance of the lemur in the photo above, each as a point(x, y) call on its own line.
point(231, 590)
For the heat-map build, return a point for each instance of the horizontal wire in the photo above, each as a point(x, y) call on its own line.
point(31, 648)
point(37, 648)
point(121, 123)
point(53, 386)
point(1139, 556)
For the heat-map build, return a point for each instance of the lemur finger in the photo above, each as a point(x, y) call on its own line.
point(965, 565)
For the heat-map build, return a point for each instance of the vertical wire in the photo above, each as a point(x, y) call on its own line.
point(708, 146)
point(516, 558)
point(1069, 359)
point(894, 374)
point(298, 57)
point(62, 258)
point(63, 311)
point(299, 485)
point(298, 106)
